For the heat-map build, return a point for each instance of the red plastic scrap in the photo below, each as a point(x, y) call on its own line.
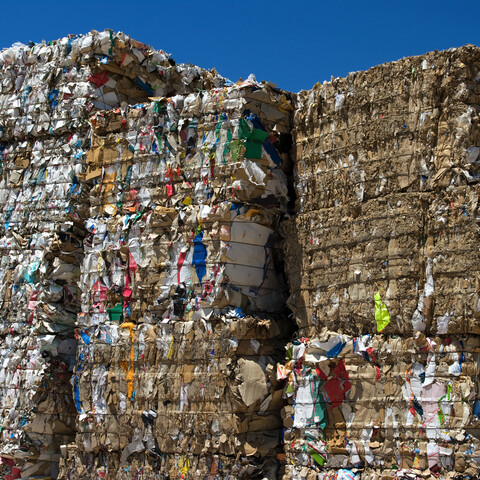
point(99, 79)
point(338, 385)
point(335, 392)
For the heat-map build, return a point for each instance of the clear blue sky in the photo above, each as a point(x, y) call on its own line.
point(291, 43)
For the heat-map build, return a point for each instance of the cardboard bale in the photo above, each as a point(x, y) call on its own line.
point(51, 88)
point(377, 402)
point(384, 287)
point(386, 183)
point(186, 391)
point(347, 257)
point(403, 126)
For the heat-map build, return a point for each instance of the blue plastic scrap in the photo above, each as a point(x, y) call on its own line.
point(199, 256)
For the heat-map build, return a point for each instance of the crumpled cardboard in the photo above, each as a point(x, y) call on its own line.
point(381, 379)
point(357, 402)
point(180, 277)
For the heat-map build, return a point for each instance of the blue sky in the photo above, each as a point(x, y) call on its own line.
point(291, 43)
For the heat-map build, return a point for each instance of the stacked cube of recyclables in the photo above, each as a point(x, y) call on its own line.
point(175, 373)
point(48, 92)
point(386, 170)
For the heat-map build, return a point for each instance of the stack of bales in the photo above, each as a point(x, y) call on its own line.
point(182, 289)
point(142, 283)
point(48, 92)
point(383, 264)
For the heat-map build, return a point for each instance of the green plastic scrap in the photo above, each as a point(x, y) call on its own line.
point(218, 126)
point(116, 313)
point(113, 41)
point(226, 148)
point(29, 275)
point(244, 129)
point(235, 147)
point(158, 106)
point(320, 417)
point(382, 317)
point(290, 388)
point(254, 139)
point(314, 453)
point(317, 457)
point(289, 353)
point(254, 144)
point(441, 416)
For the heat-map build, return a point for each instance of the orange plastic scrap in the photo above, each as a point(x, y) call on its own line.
point(130, 369)
point(131, 327)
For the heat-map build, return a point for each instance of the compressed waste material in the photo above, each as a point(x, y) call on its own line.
point(48, 92)
point(144, 287)
point(191, 398)
point(386, 178)
point(172, 369)
point(385, 288)
point(377, 403)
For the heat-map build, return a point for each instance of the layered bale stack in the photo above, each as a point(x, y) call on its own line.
point(147, 233)
point(48, 92)
point(386, 175)
point(175, 374)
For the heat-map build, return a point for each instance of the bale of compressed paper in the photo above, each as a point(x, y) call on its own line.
point(380, 403)
point(382, 265)
point(47, 93)
point(51, 88)
point(177, 354)
point(180, 395)
point(387, 193)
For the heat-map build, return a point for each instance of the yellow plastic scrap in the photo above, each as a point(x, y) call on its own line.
point(130, 326)
point(170, 350)
point(184, 464)
point(382, 317)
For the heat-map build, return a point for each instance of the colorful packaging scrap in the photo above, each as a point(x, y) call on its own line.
point(48, 92)
point(375, 403)
point(181, 273)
